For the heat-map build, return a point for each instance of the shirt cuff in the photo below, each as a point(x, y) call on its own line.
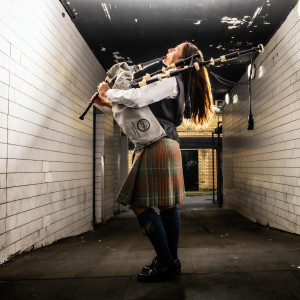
point(109, 95)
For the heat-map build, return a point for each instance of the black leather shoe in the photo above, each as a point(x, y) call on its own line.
point(159, 272)
point(176, 262)
point(177, 266)
point(148, 267)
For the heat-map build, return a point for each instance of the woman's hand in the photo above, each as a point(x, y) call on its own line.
point(100, 100)
point(103, 88)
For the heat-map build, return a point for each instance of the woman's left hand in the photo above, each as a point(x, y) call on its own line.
point(103, 88)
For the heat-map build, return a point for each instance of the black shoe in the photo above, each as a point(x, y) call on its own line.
point(148, 267)
point(176, 263)
point(159, 272)
point(177, 266)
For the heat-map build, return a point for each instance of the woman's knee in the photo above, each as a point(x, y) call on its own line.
point(138, 209)
point(161, 208)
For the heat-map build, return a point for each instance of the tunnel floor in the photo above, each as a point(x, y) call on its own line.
point(223, 256)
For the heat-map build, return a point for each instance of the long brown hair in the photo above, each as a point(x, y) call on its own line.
point(200, 89)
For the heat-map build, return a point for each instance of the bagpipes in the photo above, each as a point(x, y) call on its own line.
point(139, 124)
point(129, 75)
point(139, 81)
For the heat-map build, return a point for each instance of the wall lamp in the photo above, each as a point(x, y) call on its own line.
point(227, 98)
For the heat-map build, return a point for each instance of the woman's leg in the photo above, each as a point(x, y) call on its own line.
point(171, 219)
point(151, 222)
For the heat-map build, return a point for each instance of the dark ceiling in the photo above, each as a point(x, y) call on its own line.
point(140, 30)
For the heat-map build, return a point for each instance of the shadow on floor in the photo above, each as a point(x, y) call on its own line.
point(202, 202)
point(223, 255)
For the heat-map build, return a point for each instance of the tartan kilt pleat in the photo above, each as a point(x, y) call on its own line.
point(156, 178)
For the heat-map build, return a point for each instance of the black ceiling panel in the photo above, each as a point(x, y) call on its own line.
point(140, 30)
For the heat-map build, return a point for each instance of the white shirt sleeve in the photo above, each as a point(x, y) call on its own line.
point(145, 95)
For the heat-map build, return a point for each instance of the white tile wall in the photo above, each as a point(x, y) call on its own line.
point(116, 161)
point(261, 167)
point(47, 75)
point(108, 146)
point(109, 165)
point(99, 166)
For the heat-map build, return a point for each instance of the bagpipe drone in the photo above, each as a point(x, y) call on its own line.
point(139, 124)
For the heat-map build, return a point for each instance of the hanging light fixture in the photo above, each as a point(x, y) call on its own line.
point(251, 76)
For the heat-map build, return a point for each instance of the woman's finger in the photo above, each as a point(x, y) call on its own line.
point(95, 95)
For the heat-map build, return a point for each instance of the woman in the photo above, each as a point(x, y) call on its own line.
point(156, 178)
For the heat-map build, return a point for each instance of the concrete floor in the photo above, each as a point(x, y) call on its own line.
point(223, 255)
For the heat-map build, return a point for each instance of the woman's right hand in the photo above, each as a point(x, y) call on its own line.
point(100, 100)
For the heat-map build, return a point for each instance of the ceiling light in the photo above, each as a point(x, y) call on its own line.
point(106, 11)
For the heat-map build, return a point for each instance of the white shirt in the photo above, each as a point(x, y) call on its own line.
point(145, 95)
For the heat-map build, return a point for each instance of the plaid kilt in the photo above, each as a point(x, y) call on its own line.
point(156, 178)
